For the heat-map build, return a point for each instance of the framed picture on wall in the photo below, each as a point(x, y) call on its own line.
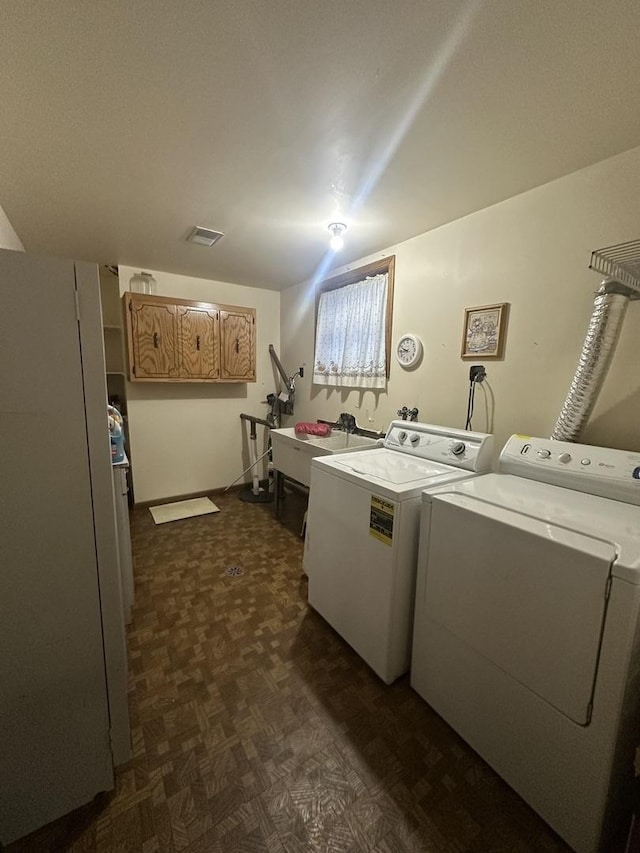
point(484, 332)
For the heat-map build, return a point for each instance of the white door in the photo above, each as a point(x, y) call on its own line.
point(528, 596)
point(54, 747)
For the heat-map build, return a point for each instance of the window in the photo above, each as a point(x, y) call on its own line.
point(353, 327)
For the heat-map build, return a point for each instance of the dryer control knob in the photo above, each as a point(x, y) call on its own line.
point(544, 454)
point(564, 457)
point(402, 436)
point(414, 438)
point(457, 448)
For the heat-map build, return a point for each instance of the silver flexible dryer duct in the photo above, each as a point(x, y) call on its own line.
point(609, 309)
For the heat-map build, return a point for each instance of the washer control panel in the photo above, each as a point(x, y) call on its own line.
point(597, 470)
point(469, 450)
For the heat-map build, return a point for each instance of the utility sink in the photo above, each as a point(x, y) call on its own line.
point(292, 454)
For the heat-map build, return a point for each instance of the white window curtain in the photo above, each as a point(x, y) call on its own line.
point(350, 335)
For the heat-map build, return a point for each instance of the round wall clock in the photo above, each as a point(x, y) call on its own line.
point(409, 350)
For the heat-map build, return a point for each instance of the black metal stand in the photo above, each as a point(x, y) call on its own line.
point(249, 495)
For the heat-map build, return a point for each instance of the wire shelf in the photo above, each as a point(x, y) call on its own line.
point(621, 262)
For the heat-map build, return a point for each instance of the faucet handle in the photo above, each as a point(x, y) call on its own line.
point(411, 414)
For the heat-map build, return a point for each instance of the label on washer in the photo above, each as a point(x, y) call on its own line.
point(381, 520)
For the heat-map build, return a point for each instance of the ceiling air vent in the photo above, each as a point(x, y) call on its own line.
point(204, 236)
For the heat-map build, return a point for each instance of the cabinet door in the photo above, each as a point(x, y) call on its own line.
point(199, 342)
point(153, 341)
point(54, 715)
point(237, 345)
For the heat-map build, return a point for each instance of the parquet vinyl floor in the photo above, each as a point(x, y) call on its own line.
point(255, 727)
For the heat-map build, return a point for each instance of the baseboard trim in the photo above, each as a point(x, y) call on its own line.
point(206, 494)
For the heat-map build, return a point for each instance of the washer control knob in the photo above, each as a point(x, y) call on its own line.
point(564, 457)
point(457, 448)
point(544, 454)
point(585, 462)
point(402, 436)
point(414, 438)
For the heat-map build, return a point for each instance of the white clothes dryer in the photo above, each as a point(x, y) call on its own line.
point(526, 632)
point(363, 522)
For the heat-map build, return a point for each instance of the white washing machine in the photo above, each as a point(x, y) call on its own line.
point(526, 633)
point(361, 546)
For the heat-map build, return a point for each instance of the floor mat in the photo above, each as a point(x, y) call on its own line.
point(182, 509)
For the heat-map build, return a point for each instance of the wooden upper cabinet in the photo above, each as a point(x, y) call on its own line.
point(152, 338)
point(177, 340)
point(237, 344)
point(199, 342)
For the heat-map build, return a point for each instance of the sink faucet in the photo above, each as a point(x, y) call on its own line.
point(411, 414)
point(347, 422)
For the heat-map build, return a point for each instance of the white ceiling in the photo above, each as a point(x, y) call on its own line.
point(126, 122)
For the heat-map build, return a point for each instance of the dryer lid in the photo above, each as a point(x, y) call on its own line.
point(599, 518)
point(528, 596)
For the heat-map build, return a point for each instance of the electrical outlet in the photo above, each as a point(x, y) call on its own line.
point(477, 373)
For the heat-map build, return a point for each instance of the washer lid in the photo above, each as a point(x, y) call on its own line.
point(393, 467)
point(600, 518)
point(388, 473)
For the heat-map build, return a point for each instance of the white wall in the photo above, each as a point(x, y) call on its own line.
point(8, 237)
point(188, 437)
point(532, 251)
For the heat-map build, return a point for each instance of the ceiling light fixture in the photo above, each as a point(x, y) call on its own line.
point(337, 229)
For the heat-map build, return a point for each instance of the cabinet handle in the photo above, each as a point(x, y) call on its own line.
point(237, 345)
point(155, 340)
point(198, 342)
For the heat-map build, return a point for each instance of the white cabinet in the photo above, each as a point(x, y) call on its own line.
point(63, 703)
